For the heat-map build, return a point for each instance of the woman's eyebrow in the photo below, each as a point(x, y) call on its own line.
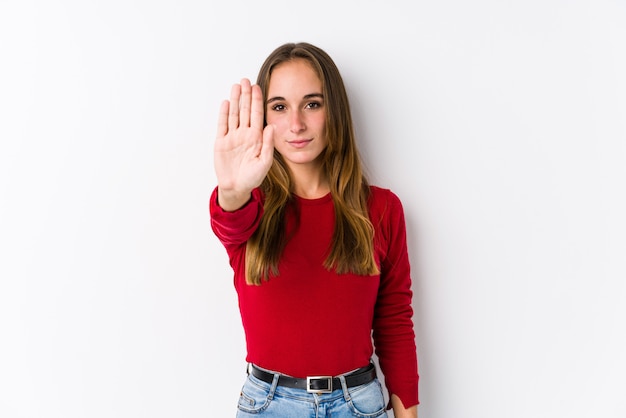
point(314, 96)
point(306, 97)
point(275, 99)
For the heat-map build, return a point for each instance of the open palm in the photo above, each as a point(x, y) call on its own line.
point(243, 151)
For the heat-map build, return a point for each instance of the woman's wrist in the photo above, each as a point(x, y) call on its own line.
point(231, 200)
point(399, 411)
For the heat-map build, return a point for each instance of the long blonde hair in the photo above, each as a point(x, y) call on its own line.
point(352, 249)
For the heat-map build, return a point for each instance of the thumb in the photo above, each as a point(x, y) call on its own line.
point(267, 149)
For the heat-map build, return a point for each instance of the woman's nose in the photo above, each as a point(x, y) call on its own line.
point(296, 122)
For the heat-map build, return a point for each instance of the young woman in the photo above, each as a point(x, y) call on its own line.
point(319, 256)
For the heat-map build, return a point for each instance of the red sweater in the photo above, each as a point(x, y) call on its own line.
point(309, 321)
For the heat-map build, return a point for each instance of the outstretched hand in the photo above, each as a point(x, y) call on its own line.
point(243, 152)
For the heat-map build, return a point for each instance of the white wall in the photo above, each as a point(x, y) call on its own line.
point(501, 125)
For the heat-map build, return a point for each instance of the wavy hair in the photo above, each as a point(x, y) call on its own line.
point(352, 249)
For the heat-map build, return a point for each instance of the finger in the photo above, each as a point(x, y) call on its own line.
point(233, 112)
point(267, 151)
point(244, 103)
point(258, 108)
point(222, 119)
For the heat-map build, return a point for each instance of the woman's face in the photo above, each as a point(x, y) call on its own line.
point(295, 106)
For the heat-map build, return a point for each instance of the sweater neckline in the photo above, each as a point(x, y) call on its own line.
point(317, 201)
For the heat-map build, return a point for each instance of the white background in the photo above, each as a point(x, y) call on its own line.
point(501, 126)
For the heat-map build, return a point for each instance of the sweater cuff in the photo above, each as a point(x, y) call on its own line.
point(229, 225)
point(408, 396)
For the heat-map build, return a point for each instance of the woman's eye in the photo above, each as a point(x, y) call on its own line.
point(278, 107)
point(314, 105)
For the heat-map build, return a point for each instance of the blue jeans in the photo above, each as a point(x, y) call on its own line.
point(268, 400)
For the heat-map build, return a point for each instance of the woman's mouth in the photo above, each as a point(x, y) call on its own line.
point(299, 143)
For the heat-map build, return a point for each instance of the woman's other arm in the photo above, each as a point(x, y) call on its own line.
point(399, 411)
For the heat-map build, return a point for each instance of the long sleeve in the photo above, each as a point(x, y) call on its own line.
point(234, 228)
point(394, 337)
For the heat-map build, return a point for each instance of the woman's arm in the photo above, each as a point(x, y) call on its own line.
point(399, 411)
point(243, 148)
point(394, 337)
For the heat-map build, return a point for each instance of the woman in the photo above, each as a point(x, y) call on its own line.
point(319, 256)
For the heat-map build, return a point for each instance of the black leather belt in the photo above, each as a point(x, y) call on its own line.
point(317, 384)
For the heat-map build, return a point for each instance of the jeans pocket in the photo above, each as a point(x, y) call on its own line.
point(254, 397)
point(367, 401)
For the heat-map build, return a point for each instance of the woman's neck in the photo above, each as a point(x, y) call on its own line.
point(309, 182)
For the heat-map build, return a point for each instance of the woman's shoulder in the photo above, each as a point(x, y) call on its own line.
point(382, 194)
point(383, 199)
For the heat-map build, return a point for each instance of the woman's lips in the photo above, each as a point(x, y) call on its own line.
point(299, 143)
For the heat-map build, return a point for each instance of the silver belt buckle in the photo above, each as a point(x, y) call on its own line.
point(327, 378)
